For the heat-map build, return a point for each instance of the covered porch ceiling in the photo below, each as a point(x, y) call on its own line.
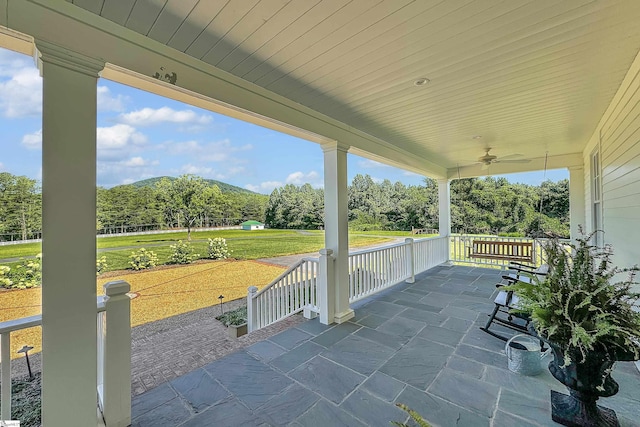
point(523, 77)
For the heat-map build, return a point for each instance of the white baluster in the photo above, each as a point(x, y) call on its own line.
point(409, 260)
point(252, 308)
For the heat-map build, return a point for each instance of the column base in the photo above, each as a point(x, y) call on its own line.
point(447, 264)
point(344, 317)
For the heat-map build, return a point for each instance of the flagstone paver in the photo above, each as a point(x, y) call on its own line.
point(429, 355)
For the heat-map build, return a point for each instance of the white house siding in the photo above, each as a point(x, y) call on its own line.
point(618, 135)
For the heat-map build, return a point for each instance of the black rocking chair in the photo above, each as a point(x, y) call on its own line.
point(507, 301)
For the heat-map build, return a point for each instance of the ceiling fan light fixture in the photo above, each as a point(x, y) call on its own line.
point(421, 81)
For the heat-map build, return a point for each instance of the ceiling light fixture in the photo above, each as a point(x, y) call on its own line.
point(421, 81)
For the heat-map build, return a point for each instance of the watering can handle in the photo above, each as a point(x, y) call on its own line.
point(507, 346)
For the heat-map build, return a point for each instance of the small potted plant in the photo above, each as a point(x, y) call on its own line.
point(587, 311)
point(235, 321)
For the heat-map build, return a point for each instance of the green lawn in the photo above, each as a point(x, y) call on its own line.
point(243, 244)
point(16, 251)
point(246, 248)
point(120, 241)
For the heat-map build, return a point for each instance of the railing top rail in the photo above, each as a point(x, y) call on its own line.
point(311, 259)
point(371, 250)
point(22, 323)
point(31, 321)
point(424, 239)
point(283, 275)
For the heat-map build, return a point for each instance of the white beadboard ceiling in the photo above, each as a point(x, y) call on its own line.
point(529, 76)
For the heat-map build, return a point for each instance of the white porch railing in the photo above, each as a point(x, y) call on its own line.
point(429, 253)
point(370, 271)
point(293, 291)
point(114, 355)
point(373, 270)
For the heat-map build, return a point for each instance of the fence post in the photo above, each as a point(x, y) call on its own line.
point(117, 355)
point(252, 309)
point(326, 287)
point(410, 262)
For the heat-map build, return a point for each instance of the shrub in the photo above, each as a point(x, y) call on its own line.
point(511, 234)
point(101, 265)
point(218, 248)
point(5, 279)
point(143, 259)
point(28, 274)
point(182, 253)
point(234, 317)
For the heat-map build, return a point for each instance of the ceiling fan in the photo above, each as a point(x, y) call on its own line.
point(489, 159)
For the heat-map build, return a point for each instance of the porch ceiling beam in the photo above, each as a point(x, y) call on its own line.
point(64, 24)
point(536, 164)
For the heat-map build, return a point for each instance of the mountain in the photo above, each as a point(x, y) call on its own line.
point(224, 187)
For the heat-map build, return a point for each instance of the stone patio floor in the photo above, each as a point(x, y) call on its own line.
point(417, 344)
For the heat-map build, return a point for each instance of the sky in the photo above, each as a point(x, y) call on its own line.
point(141, 135)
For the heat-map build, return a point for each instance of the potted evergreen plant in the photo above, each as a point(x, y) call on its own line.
point(587, 311)
point(235, 321)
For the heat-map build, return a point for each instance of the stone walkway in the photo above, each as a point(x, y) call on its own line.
point(168, 348)
point(417, 344)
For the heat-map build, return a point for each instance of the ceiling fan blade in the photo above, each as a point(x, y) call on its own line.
point(513, 161)
point(510, 156)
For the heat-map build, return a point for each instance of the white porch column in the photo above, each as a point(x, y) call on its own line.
point(337, 225)
point(444, 216)
point(69, 381)
point(576, 201)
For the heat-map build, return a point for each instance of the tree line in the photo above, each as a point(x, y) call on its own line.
point(478, 205)
point(185, 202)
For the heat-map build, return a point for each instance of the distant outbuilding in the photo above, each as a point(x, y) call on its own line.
point(252, 225)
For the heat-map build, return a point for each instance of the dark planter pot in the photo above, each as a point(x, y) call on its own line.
point(587, 381)
point(236, 331)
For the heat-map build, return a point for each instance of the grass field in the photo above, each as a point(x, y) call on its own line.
point(244, 245)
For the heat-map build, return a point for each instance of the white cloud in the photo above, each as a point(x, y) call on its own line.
point(11, 62)
point(118, 142)
point(151, 116)
point(136, 162)
point(33, 141)
point(216, 151)
point(108, 102)
point(299, 178)
point(21, 95)
point(202, 171)
point(209, 172)
point(264, 187)
point(126, 171)
point(409, 173)
point(1, 166)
